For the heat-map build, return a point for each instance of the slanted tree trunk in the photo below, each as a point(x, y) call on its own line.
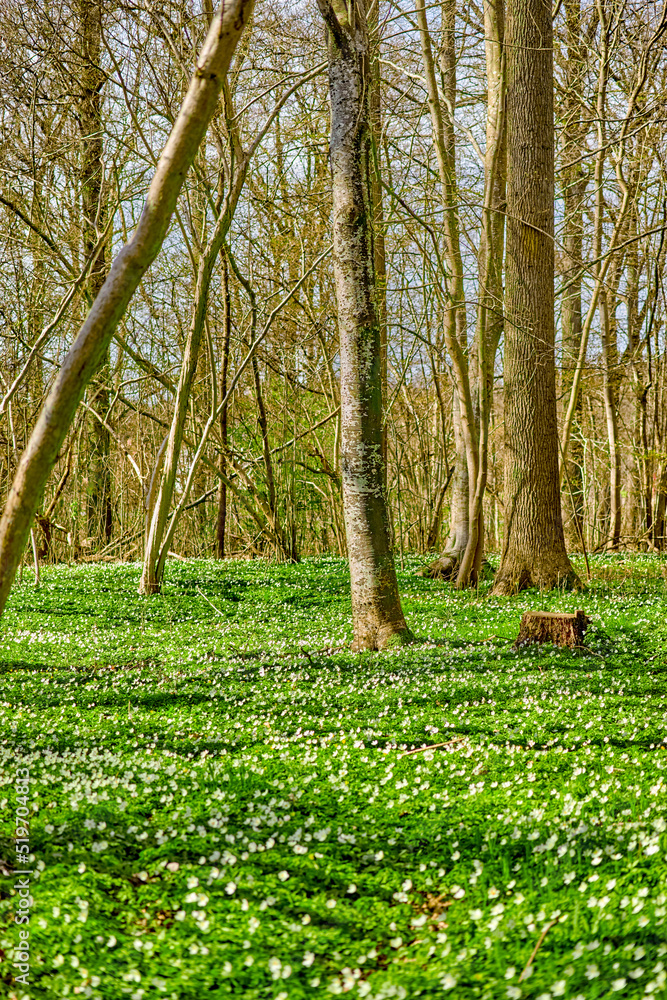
point(162, 524)
point(93, 220)
point(534, 546)
point(156, 551)
point(376, 608)
point(87, 351)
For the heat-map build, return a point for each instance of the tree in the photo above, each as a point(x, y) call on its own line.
point(534, 545)
point(376, 609)
point(473, 370)
point(454, 319)
point(87, 351)
point(93, 220)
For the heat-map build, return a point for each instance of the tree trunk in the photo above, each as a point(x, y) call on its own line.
point(376, 608)
point(285, 541)
point(446, 566)
point(221, 519)
point(610, 395)
point(87, 351)
point(156, 552)
point(558, 629)
point(93, 220)
point(574, 181)
point(534, 546)
point(378, 208)
point(454, 323)
point(490, 309)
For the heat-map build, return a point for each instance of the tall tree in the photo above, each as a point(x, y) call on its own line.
point(221, 517)
point(87, 351)
point(441, 103)
point(534, 545)
point(574, 178)
point(93, 220)
point(490, 307)
point(376, 608)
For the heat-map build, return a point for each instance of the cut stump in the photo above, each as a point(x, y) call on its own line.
point(559, 629)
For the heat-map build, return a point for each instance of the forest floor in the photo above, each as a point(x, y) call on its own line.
point(226, 801)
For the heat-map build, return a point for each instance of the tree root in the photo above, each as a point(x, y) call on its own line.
point(446, 567)
point(511, 582)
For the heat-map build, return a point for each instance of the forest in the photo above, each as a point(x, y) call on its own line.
point(333, 360)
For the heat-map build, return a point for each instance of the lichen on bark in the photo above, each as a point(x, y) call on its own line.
point(377, 616)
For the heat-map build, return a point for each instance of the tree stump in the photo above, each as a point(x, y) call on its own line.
point(559, 629)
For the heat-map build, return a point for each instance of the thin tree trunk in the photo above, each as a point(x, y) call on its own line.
point(156, 545)
point(610, 395)
point(490, 309)
point(285, 542)
point(221, 519)
point(574, 178)
point(376, 608)
point(87, 352)
point(534, 546)
point(155, 555)
point(93, 220)
point(454, 324)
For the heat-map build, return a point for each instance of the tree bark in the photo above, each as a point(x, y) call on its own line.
point(574, 179)
point(87, 351)
point(534, 546)
point(454, 323)
point(155, 551)
point(490, 308)
point(378, 208)
point(221, 519)
point(559, 629)
point(93, 220)
point(376, 608)
point(610, 380)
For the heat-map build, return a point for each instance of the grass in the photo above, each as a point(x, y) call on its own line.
point(224, 801)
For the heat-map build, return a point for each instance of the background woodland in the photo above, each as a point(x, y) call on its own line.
point(90, 91)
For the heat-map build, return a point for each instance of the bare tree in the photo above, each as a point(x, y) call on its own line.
point(376, 608)
point(126, 272)
point(93, 221)
point(534, 545)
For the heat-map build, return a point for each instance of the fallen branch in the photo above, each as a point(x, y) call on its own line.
point(221, 613)
point(540, 940)
point(435, 746)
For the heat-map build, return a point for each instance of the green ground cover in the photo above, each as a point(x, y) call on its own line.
point(224, 802)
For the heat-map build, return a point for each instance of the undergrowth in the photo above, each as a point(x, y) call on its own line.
point(226, 801)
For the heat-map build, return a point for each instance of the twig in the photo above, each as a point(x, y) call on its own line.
point(591, 651)
point(537, 947)
point(434, 746)
point(221, 613)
